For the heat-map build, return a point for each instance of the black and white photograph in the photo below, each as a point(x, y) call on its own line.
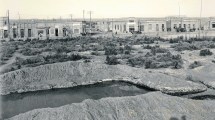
point(107, 60)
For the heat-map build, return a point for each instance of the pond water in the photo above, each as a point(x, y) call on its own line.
point(16, 103)
point(204, 97)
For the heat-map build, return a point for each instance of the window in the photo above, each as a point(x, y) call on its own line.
point(184, 25)
point(124, 28)
point(115, 27)
point(76, 31)
point(194, 26)
point(150, 26)
point(213, 25)
point(40, 32)
point(64, 32)
point(47, 31)
point(14, 32)
point(22, 32)
point(52, 31)
point(131, 21)
point(189, 26)
point(141, 27)
point(118, 27)
point(56, 31)
point(157, 27)
point(29, 32)
point(131, 28)
point(179, 25)
point(5, 34)
point(175, 26)
point(163, 27)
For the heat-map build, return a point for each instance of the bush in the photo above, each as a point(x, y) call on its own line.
point(30, 52)
point(147, 47)
point(158, 61)
point(30, 62)
point(110, 50)
point(111, 60)
point(205, 52)
point(159, 50)
point(7, 52)
point(174, 40)
point(63, 57)
point(195, 64)
point(136, 61)
point(148, 40)
point(127, 52)
point(95, 53)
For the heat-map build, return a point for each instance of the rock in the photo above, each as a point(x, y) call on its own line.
point(150, 106)
point(69, 74)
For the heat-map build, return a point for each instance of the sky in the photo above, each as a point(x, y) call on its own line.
point(48, 9)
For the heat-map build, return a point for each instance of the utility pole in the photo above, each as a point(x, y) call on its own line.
point(200, 21)
point(8, 21)
point(18, 26)
point(179, 10)
point(83, 15)
point(112, 28)
point(72, 24)
point(90, 12)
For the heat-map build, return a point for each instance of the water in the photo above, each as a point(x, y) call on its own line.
point(204, 97)
point(17, 103)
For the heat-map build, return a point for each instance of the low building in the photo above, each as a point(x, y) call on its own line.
point(63, 28)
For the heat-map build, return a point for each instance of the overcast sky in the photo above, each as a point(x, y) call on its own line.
point(105, 8)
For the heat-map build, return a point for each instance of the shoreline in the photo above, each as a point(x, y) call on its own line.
point(71, 74)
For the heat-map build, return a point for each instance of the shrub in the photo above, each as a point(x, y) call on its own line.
point(205, 52)
point(30, 52)
point(158, 61)
point(148, 40)
point(111, 60)
point(30, 62)
point(159, 50)
point(110, 50)
point(147, 47)
point(195, 64)
point(136, 61)
point(95, 53)
point(174, 40)
point(127, 52)
point(7, 52)
point(86, 61)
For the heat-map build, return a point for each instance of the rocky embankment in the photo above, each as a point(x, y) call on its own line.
point(69, 74)
point(151, 106)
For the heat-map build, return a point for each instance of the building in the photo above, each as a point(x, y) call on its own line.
point(64, 28)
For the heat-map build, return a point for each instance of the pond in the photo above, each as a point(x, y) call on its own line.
point(16, 103)
point(204, 97)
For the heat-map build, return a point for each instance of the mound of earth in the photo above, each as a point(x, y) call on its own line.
point(151, 106)
point(204, 74)
point(69, 74)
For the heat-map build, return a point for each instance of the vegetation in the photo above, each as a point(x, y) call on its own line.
point(111, 60)
point(112, 50)
point(205, 52)
point(195, 64)
point(156, 61)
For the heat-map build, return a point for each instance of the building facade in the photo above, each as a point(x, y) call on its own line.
point(58, 29)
